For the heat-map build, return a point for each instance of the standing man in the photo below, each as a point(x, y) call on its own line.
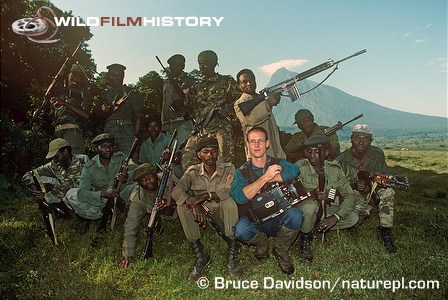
point(98, 180)
point(206, 186)
point(63, 172)
point(141, 194)
point(340, 213)
point(362, 156)
point(71, 108)
point(305, 122)
point(251, 178)
point(261, 115)
point(212, 100)
point(175, 113)
point(123, 109)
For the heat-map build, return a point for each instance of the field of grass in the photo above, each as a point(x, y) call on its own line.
point(31, 268)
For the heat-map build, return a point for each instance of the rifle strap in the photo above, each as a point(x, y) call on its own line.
point(369, 197)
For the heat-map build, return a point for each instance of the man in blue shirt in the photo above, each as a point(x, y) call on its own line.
point(259, 172)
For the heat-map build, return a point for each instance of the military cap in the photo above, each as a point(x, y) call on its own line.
point(116, 67)
point(76, 69)
point(208, 55)
point(143, 170)
point(55, 145)
point(317, 140)
point(301, 114)
point(207, 142)
point(362, 128)
point(176, 58)
point(102, 137)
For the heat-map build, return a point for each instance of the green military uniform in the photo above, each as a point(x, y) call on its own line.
point(260, 116)
point(141, 204)
point(173, 108)
point(194, 182)
point(67, 123)
point(120, 123)
point(151, 152)
point(297, 140)
point(89, 204)
point(218, 91)
point(334, 179)
point(65, 179)
point(373, 161)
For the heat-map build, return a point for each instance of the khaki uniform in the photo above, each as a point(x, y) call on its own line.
point(261, 116)
point(295, 143)
point(219, 91)
point(67, 123)
point(120, 123)
point(373, 161)
point(334, 179)
point(141, 204)
point(194, 182)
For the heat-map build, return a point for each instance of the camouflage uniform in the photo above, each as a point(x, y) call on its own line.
point(88, 203)
point(194, 182)
point(67, 123)
point(373, 161)
point(260, 116)
point(172, 120)
point(64, 180)
point(298, 138)
point(120, 123)
point(218, 91)
point(334, 179)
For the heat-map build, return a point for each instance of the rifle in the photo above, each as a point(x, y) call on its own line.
point(213, 225)
point(44, 208)
point(290, 86)
point(322, 212)
point(339, 125)
point(384, 180)
point(173, 137)
point(152, 223)
point(198, 127)
point(56, 78)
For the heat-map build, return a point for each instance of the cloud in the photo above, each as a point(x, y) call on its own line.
point(420, 41)
point(440, 64)
point(407, 34)
point(428, 25)
point(285, 63)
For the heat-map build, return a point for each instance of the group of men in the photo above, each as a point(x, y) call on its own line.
point(207, 188)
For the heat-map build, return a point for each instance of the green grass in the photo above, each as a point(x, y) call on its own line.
point(31, 268)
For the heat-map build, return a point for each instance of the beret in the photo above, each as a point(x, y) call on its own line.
point(317, 140)
point(301, 114)
point(116, 67)
point(208, 55)
point(207, 142)
point(101, 137)
point(143, 170)
point(362, 128)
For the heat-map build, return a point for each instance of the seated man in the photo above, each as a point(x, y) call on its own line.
point(260, 171)
point(340, 215)
point(206, 186)
point(362, 156)
point(97, 182)
point(141, 195)
point(63, 172)
point(308, 128)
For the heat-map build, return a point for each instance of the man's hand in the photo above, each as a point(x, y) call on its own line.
point(195, 200)
point(199, 215)
point(161, 204)
point(272, 171)
point(109, 193)
point(361, 185)
point(122, 177)
point(38, 195)
point(124, 263)
point(274, 99)
point(327, 223)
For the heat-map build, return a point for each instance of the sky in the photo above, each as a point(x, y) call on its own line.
point(404, 68)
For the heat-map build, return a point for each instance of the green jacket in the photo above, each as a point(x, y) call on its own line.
point(334, 179)
point(374, 161)
point(79, 97)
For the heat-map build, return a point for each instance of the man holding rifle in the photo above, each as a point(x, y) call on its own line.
point(207, 184)
point(97, 181)
point(362, 156)
point(336, 192)
point(261, 115)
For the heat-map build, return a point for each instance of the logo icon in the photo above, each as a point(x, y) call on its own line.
point(39, 29)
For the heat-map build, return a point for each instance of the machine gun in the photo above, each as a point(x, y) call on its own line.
point(56, 78)
point(290, 86)
point(44, 208)
point(339, 126)
point(152, 224)
point(383, 180)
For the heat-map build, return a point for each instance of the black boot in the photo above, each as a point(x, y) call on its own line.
point(60, 210)
point(386, 236)
point(85, 225)
point(201, 260)
point(305, 246)
point(233, 263)
point(283, 242)
point(260, 241)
